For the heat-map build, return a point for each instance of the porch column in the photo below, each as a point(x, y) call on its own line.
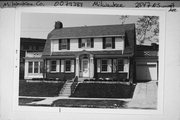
point(91, 66)
point(77, 66)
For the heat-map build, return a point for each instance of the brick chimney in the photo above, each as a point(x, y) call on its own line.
point(58, 25)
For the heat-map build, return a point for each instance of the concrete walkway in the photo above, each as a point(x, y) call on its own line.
point(50, 100)
point(145, 96)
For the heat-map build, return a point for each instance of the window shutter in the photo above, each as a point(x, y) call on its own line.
point(57, 66)
point(62, 65)
point(104, 43)
point(113, 42)
point(68, 44)
point(109, 65)
point(79, 42)
point(98, 65)
point(92, 42)
point(48, 65)
point(59, 44)
point(72, 65)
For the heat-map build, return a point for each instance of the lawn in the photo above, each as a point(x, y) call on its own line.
point(104, 90)
point(39, 89)
point(89, 103)
point(24, 101)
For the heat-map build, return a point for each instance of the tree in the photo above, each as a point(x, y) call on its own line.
point(147, 29)
point(123, 18)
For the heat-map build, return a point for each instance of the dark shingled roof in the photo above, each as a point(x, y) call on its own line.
point(94, 31)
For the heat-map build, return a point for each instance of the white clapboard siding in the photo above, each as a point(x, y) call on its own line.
point(126, 65)
point(119, 43)
point(62, 65)
point(48, 65)
point(98, 65)
point(97, 44)
point(109, 65)
point(74, 44)
point(57, 65)
point(72, 65)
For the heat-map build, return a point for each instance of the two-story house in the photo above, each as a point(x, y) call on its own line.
point(105, 51)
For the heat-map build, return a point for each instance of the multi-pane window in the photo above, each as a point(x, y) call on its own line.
point(104, 65)
point(108, 43)
point(67, 65)
point(86, 43)
point(30, 67)
point(53, 65)
point(35, 67)
point(120, 66)
point(63, 44)
point(41, 67)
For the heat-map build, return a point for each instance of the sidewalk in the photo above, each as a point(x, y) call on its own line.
point(145, 96)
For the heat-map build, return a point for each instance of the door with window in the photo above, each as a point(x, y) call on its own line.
point(85, 68)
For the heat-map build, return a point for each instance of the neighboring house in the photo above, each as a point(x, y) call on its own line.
point(147, 62)
point(90, 52)
point(30, 57)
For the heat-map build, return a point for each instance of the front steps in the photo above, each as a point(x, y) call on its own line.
point(66, 90)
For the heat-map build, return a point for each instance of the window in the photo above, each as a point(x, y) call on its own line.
point(36, 66)
point(41, 67)
point(86, 43)
point(104, 65)
point(68, 65)
point(108, 42)
point(30, 67)
point(53, 65)
point(64, 44)
point(120, 66)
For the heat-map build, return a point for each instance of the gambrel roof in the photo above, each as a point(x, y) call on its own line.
point(126, 30)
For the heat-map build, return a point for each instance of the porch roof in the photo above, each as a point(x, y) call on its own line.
point(97, 54)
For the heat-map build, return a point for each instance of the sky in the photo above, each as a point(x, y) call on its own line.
point(38, 25)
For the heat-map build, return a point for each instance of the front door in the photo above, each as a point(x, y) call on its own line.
point(85, 68)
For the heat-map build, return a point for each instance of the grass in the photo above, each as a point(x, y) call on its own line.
point(89, 103)
point(103, 90)
point(39, 89)
point(24, 101)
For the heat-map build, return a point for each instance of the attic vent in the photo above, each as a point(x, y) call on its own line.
point(58, 25)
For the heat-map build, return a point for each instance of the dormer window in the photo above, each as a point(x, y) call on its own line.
point(109, 43)
point(64, 44)
point(86, 43)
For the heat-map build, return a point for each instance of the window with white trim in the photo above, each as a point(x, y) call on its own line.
point(104, 65)
point(53, 65)
point(86, 43)
point(63, 44)
point(35, 67)
point(108, 43)
point(68, 65)
point(30, 67)
point(120, 66)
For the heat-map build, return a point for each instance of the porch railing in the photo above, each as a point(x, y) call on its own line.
point(74, 85)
